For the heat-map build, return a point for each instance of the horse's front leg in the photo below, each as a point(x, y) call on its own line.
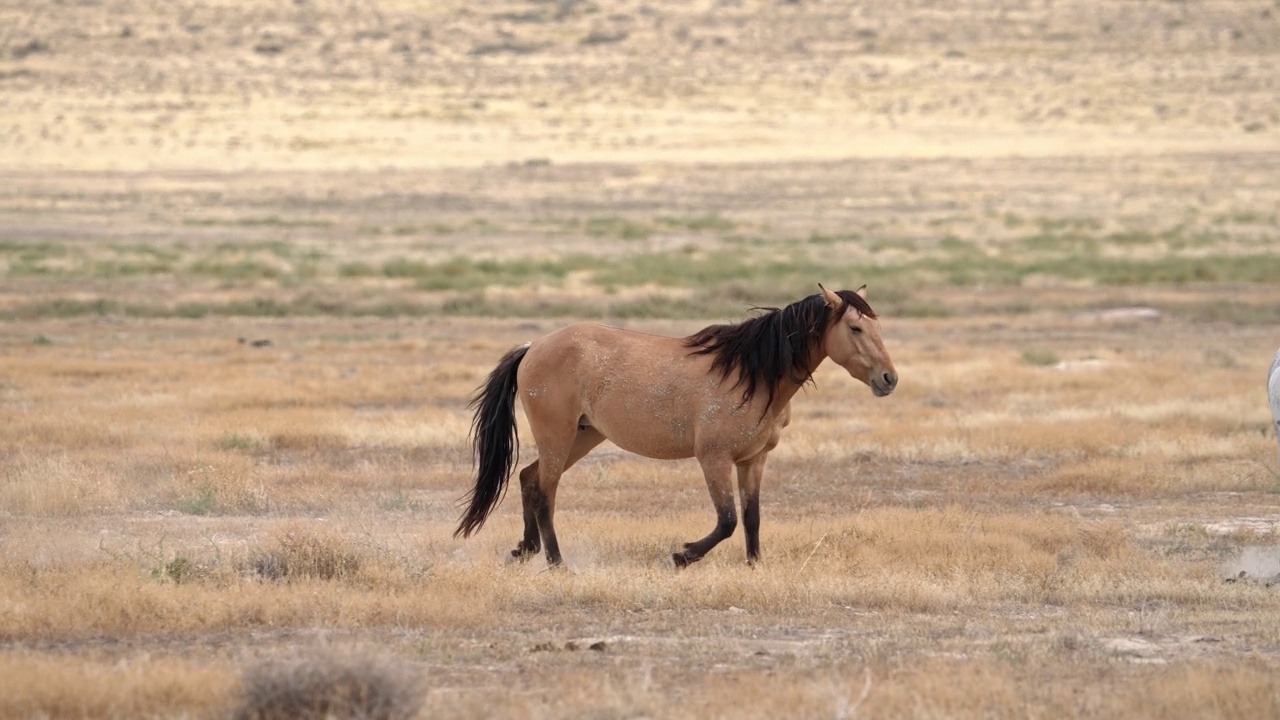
point(749, 475)
point(750, 472)
point(718, 473)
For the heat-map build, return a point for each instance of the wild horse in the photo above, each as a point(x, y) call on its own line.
point(722, 395)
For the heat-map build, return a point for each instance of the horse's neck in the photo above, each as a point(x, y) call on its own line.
point(788, 388)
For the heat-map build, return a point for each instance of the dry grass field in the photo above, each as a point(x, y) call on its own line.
point(255, 256)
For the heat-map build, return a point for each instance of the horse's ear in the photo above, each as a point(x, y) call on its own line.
point(833, 300)
point(861, 292)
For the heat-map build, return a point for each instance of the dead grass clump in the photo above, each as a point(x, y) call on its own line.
point(60, 685)
point(330, 684)
point(1104, 540)
point(1096, 476)
point(53, 485)
point(944, 541)
point(1246, 688)
point(1139, 477)
point(302, 555)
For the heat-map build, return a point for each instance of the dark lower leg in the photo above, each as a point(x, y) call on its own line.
point(751, 526)
point(726, 523)
point(530, 544)
point(749, 476)
point(717, 472)
point(547, 479)
point(545, 511)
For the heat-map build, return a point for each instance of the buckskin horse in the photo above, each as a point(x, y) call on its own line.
point(721, 395)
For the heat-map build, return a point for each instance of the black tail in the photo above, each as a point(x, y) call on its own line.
point(494, 441)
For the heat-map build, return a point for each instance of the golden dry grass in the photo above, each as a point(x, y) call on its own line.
point(1065, 213)
point(53, 685)
point(953, 543)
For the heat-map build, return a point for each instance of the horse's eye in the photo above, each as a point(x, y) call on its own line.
point(855, 329)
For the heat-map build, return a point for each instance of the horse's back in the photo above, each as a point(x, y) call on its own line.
point(640, 390)
point(596, 348)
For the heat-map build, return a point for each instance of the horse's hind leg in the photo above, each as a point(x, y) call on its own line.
point(718, 472)
point(530, 544)
point(538, 485)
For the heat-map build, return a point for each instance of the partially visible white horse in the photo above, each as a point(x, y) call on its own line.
point(1273, 393)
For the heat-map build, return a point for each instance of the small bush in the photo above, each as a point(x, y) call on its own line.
point(506, 47)
point(236, 441)
point(202, 503)
point(601, 37)
point(238, 270)
point(305, 556)
point(697, 223)
point(330, 684)
point(619, 227)
point(1039, 357)
point(356, 270)
point(178, 570)
point(403, 268)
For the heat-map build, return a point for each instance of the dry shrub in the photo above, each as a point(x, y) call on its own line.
point(1095, 476)
point(299, 555)
point(330, 683)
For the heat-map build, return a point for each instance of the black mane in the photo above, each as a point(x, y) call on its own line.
point(776, 345)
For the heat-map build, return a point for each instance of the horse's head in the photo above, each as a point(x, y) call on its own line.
point(853, 341)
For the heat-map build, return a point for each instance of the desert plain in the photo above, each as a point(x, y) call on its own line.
point(255, 257)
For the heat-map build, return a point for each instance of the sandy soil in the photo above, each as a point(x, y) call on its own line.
point(319, 85)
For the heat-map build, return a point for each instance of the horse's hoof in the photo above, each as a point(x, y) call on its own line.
point(525, 550)
point(680, 560)
point(556, 568)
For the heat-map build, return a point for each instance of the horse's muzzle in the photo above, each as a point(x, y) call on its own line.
point(884, 383)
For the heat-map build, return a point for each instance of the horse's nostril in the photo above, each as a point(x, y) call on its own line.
point(890, 379)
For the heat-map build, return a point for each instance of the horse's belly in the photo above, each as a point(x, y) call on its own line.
point(663, 438)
